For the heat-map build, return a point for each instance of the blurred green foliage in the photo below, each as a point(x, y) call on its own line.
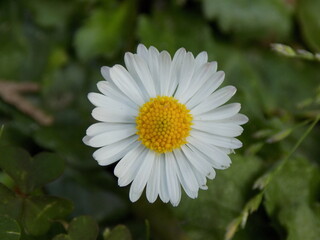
point(50, 186)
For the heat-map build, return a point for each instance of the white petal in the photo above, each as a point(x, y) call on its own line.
point(226, 150)
point(86, 139)
point(164, 192)
point(220, 113)
point(105, 72)
point(142, 177)
point(153, 185)
point(127, 168)
point(100, 100)
point(186, 73)
point(153, 49)
point(101, 127)
point(201, 59)
point(126, 84)
point(114, 113)
point(200, 77)
point(186, 175)
point(153, 64)
point(218, 159)
point(198, 162)
point(201, 179)
point(142, 51)
point(164, 71)
point(215, 100)
point(113, 152)
point(236, 119)
point(112, 91)
point(218, 128)
point(138, 67)
point(212, 175)
point(208, 88)
point(172, 179)
point(219, 141)
point(176, 70)
point(112, 136)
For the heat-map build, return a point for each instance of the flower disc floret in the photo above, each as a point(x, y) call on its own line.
point(163, 124)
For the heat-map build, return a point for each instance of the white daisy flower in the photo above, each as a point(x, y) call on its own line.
point(165, 120)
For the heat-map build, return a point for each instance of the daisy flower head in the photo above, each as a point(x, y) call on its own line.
point(166, 121)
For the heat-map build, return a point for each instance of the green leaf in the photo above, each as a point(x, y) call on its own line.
point(23, 45)
point(12, 42)
point(62, 237)
point(178, 29)
point(283, 49)
point(117, 233)
point(99, 191)
point(1, 131)
point(9, 228)
point(232, 228)
point(291, 196)
point(308, 17)
point(81, 228)
point(251, 19)
point(57, 138)
point(224, 200)
point(269, 66)
point(234, 62)
point(39, 212)
point(103, 32)
point(52, 13)
point(280, 135)
point(301, 222)
point(30, 173)
point(9, 204)
point(57, 88)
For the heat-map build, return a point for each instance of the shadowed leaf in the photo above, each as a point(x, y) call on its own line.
point(244, 18)
point(81, 228)
point(9, 228)
point(118, 232)
point(290, 198)
point(308, 16)
point(39, 212)
point(103, 32)
point(30, 173)
point(9, 204)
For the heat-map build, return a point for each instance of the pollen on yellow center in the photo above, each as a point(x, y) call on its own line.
point(163, 124)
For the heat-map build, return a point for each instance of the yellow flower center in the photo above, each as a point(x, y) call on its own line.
point(163, 124)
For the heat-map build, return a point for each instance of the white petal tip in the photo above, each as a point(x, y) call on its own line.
point(211, 175)
point(120, 182)
point(140, 46)
point(90, 96)
point(222, 73)
point(232, 89)
point(175, 204)
point(204, 187)
point(244, 119)
point(128, 55)
point(86, 140)
point(151, 200)
point(134, 197)
point(104, 70)
point(181, 50)
point(237, 144)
